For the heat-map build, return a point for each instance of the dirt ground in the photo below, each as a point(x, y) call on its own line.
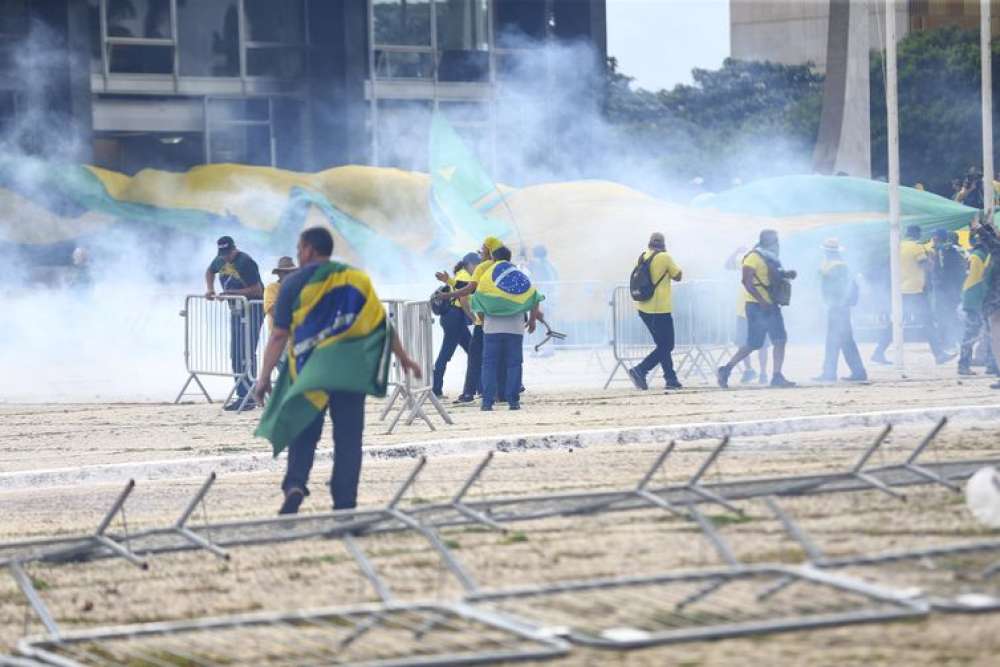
point(642, 542)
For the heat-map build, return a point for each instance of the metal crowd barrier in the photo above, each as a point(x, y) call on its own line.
point(221, 339)
point(704, 322)
point(414, 324)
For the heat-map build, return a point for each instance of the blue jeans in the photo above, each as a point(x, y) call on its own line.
point(507, 351)
point(347, 412)
point(456, 334)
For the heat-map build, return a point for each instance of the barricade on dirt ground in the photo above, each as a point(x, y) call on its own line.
point(704, 327)
point(414, 324)
point(221, 340)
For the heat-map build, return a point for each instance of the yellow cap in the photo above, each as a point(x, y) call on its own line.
point(492, 243)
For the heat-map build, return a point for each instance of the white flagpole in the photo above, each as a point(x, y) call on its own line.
point(986, 53)
point(892, 111)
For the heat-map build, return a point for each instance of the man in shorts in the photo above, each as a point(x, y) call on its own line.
point(761, 270)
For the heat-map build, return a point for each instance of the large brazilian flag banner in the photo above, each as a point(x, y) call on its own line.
point(504, 290)
point(339, 341)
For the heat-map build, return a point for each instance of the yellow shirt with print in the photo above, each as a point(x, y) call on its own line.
point(662, 269)
point(913, 278)
point(761, 278)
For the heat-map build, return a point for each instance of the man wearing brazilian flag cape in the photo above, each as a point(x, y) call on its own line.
point(510, 304)
point(339, 342)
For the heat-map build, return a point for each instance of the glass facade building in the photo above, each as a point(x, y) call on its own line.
point(299, 84)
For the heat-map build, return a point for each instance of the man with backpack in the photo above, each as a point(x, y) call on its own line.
point(766, 288)
point(650, 289)
point(840, 294)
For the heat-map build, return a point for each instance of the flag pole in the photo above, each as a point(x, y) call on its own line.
point(986, 56)
point(892, 111)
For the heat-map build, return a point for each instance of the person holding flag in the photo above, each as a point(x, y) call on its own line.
point(338, 341)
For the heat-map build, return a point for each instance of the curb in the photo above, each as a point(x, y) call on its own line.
point(170, 469)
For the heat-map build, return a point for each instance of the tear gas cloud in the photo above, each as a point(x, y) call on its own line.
point(121, 338)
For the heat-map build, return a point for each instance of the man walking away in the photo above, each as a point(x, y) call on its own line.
point(948, 277)
point(973, 292)
point(504, 295)
point(913, 267)
point(658, 269)
point(455, 319)
point(840, 294)
point(338, 339)
point(239, 276)
point(766, 289)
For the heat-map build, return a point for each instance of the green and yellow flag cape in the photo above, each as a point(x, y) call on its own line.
point(339, 341)
point(505, 290)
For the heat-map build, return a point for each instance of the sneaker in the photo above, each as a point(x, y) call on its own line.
point(945, 358)
point(995, 385)
point(638, 379)
point(855, 378)
point(880, 359)
point(249, 405)
point(762, 380)
point(293, 499)
point(965, 370)
point(233, 405)
point(749, 375)
point(778, 380)
point(486, 408)
point(464, 398)
point(514, 406)
point(722, 376)
point(674, 384)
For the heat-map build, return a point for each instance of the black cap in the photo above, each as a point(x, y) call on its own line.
point(226, 245)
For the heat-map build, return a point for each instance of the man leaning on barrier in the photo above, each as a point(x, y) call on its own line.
point(338, 340)
point(239, 276)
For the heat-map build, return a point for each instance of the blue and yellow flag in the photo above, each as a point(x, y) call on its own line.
point(505, 290)
point(339, 341)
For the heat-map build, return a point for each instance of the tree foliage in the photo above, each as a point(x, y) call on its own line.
point(940, 126)
point(744, 119)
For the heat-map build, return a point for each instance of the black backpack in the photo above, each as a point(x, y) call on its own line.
point(641, 284)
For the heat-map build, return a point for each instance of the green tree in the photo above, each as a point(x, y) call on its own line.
point(940, 128)
point(746, 118)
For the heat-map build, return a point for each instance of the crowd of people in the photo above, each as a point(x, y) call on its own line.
point(951, 294)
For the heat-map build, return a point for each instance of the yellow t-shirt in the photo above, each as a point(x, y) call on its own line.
point(911, 270)
point(270, 301)
point(762, 278)
point(662, 269)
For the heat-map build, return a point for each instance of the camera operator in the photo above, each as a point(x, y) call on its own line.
point(766, 288)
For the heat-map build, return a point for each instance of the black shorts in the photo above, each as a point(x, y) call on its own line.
point(762, 324)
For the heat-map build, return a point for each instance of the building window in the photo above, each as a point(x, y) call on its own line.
point(403, 133)
point(239, 130)
point(520, 22)
point(402, 22)
point(463, 40)
point(275, 35)
point(140, 36)
point(208, 38)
